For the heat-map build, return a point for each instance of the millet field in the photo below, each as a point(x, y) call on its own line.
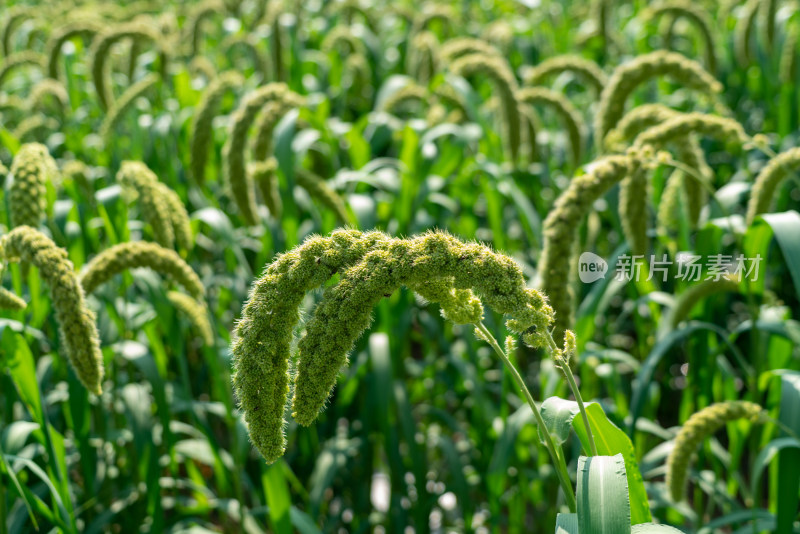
point(373, 266)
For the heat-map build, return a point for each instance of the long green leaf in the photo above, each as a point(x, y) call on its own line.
point(653, 528)
point(559, 414)
point(789, 458)
point(567, 524)
point(766, 455)
point(603, 504)
point(783, 227)
point(22, 368)
point(278, 498)
point(6, 469)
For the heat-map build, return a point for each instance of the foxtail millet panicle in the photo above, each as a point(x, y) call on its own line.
point(698, 292)
point(628, 76)
point(64, 33)
point(134, 254)
point(560, 233)
point(197, 313)
point(769, 178)
point(206, 110)
point(696, 430)
point(20, 59)
point(564, 109)
point(76, 321)
point(233, 152)
point(345, 310)
point(101, 50)
point(498, 71)
point(698, 17)
point(584, 69)
point(136, 178)
point(372, 264)
point(32, 168)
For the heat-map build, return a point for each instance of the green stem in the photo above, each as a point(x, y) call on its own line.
point(565, 368)
point(558, 460)
point(576, 392)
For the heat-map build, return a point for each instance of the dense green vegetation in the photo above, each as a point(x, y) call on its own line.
point(209, 207)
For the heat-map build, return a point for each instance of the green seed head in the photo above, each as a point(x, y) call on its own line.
point(11, 62)
point(319, 190)
point(10, 301)
point(76, 321)
point(233, 153)
point(588, 71)
point(124, 256)
point(697, 16)
point(696, 430)
point(141, 183)
point(264, 174)
point(497, 70)
point(462, 46)
point(32, 168)
point(771, 176)
point(43, 89)
point(79, 26)
point(139, 31)
point(561, 232)
point(463, 277)
point(121, 106)
point(700, 124)
point(204, 115)
point(540, 96)
point(699, 292)
point(627, 77)
point(197, 312)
